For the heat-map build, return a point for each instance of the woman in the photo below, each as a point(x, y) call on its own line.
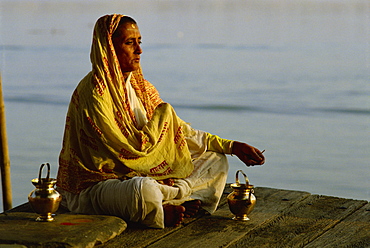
point(126, 152)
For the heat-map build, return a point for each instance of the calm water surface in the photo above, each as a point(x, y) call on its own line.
point(292, 78)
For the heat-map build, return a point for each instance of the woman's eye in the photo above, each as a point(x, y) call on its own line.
point(132, 42)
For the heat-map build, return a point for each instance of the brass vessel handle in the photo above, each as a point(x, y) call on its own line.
point(47, 176)
point(245, 177)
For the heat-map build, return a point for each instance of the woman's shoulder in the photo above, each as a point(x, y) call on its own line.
point(91, 91)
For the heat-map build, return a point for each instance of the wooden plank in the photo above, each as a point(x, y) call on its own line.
point(282, 218)
point(219, 229)
point(353, 231)
point(138, 236)
point(301, 224)
point(68, 230)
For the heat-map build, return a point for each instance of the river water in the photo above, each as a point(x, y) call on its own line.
point(290, 77)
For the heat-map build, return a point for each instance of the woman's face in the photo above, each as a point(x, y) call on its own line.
point(127, 46)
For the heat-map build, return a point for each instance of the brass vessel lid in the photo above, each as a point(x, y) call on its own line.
point(241, 186)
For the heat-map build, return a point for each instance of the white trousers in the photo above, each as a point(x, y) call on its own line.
point(141, 199)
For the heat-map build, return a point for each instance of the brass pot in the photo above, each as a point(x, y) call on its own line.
point(44, 200)
point(241, 201)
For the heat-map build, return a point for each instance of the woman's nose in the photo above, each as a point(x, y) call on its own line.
point(138, 49)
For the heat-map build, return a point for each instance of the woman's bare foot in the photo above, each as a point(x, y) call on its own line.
point(173, 215)
point(191, 208)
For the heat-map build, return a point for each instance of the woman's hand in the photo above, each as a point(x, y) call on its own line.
point(168, 181)
point(249, 155)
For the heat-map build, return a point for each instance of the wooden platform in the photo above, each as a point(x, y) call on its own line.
point(281, 218)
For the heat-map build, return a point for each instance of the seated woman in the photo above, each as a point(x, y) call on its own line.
point(126, 152)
